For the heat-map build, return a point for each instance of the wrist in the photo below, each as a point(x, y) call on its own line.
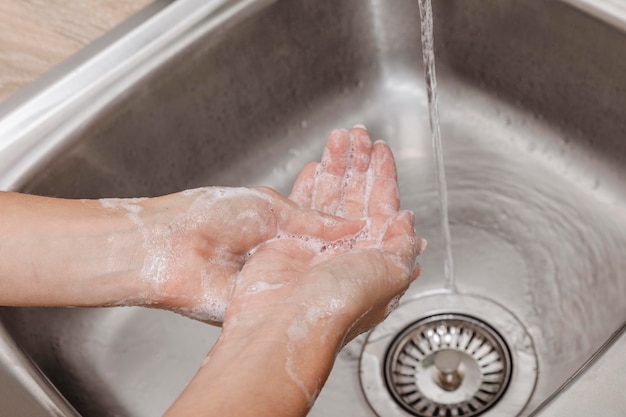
point(302, 347)
point(105, 252)
point(64, 252)
point(269, 358)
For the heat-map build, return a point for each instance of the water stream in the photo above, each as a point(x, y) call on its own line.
point(428, 51)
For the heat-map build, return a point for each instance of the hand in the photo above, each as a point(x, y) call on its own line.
point(291, 283)
point(196, 242)
point(356, 280)
point(300, 297)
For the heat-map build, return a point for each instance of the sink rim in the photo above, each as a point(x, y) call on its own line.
point(610, 11)
point(34, 124)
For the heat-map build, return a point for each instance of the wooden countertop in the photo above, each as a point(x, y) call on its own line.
point(35, 35)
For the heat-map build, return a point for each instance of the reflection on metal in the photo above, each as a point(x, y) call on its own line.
point(449, 376)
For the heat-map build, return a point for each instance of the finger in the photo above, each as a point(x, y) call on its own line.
point(302, 191)
point(395, 234)
point(320, 225)
point(403, 224)
point(355, 179)
point(328, 190)
point(383, 195)
point(401, 245)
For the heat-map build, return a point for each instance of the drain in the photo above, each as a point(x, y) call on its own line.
point(447, 365)
point(448, 355)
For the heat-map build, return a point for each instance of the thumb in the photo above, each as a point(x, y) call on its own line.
point(308, 222)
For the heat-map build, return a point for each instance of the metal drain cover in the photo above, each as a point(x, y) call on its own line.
point(447, 365)
point(448, 354)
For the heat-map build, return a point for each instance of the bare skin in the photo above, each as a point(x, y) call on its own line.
point(282, 342)
point(290, 280)
point(99, 253)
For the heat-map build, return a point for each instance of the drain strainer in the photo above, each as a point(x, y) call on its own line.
point(447, 365)
point(448, 355)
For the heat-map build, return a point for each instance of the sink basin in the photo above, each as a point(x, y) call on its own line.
point(241, 93)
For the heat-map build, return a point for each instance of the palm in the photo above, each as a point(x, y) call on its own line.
point(323, 271)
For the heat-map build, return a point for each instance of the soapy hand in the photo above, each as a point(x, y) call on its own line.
point(213, 250)
point(352, 282)
point(291, 280)
point(304, 293)
point(195, 243)
point(210, 250)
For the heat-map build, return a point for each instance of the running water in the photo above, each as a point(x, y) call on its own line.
point(428, 51)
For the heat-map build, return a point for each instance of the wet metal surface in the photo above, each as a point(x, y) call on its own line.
point(531, 104)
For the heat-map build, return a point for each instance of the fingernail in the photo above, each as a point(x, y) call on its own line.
point(359, 126)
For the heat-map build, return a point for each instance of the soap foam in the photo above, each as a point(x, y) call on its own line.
point(159, 251)
point(261, 286)
point(297, 333)
point(131, 205)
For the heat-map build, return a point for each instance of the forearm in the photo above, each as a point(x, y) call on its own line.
point(64, 252)
point(264, 369)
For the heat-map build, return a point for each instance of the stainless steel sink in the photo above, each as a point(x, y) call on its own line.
point(532, 99)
